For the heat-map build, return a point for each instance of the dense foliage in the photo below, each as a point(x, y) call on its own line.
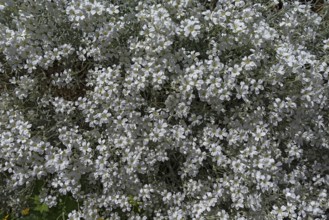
point(176, 109)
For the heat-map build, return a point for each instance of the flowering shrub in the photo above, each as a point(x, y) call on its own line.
point(187, 109)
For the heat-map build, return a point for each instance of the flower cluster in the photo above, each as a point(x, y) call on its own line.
point(188, 109)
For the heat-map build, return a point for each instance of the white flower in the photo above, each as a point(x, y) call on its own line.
point(237, 26)
point(280, 213)
point(260, 133)
point(2, 7)
point(326, 44)
point(191, 27)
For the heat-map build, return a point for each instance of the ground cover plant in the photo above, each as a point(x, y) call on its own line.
point(176, 109)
